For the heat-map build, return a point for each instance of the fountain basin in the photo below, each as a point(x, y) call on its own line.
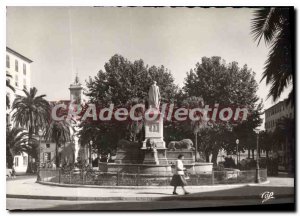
point(153, 169)
point(161, 170)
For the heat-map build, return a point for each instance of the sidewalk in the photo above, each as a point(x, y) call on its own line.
point(29, 189)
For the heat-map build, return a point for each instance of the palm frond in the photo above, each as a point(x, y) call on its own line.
point(265, 24)
point(16, 140)
point(278, 67)
point(273, 25)
point(8, 76)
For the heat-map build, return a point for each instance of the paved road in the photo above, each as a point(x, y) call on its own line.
point(138, 199)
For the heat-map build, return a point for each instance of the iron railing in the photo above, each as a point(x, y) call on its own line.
point(119, 178)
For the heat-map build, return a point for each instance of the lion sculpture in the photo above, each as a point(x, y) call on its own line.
point(183, 144)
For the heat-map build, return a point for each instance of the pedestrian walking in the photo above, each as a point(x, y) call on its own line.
point(178, 178)
point(13, 171)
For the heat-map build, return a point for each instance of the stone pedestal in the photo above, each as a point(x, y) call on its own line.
point(151, 157)
point(154, 146)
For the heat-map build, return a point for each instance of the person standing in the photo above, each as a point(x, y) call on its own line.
point(13, 171)
point(178, 178)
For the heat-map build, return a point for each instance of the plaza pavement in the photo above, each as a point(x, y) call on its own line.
point(27, 188)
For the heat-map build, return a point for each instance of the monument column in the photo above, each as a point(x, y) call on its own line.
point(76, 98)
point(154, 145)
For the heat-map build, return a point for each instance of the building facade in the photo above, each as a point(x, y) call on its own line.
point(18, 67)
point(47, 153)
point(69, 151)
point(277, 112)
point(272, 115)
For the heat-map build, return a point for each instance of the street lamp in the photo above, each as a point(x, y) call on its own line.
point(257, 177)
point(90, 150)
point(237, 151)
point(196, 146)
point(40, 133)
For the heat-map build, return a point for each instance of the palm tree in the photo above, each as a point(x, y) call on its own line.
point(16, 140)
point(273, 24)
point(59, 132)
point(90, 131)
point(8, 85)
point(31, 112)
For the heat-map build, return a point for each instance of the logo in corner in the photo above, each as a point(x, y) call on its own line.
point(267, 196)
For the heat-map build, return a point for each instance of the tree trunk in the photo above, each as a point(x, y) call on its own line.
point(207, 157)
point(286, 156)
point(30, 135)
point(196, 147)
point(215, 156)
point(90, 155)
point(11, 162)
point(56, 155)
point(249, 149)
point(252, 153)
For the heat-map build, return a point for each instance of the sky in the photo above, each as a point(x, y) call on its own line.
point(63, 41)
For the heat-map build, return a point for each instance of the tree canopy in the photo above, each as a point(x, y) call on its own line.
point(229, 86)
point(123, 83)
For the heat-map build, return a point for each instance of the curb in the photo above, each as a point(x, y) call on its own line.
point(149, 187)
point(167, 198)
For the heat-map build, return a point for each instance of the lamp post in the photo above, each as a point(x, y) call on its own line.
point(196, 147)
point(90, 151)
point(257, 177)
point(40, 133)
point(237, 151)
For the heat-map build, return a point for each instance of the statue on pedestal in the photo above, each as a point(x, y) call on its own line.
point(154, 145)
point(154, 96)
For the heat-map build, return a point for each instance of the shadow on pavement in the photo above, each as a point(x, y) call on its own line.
point(242, 196)
point(156, 193)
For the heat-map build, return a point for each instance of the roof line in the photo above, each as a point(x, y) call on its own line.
point(18, 54)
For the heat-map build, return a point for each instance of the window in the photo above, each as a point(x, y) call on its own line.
point(47, 157)
point(16, 161)
point(16, 80)
point(25, 160)
point(47, 145)
point(7, 61)
point(16, 65)
point(24, 84)
point(24, 69)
